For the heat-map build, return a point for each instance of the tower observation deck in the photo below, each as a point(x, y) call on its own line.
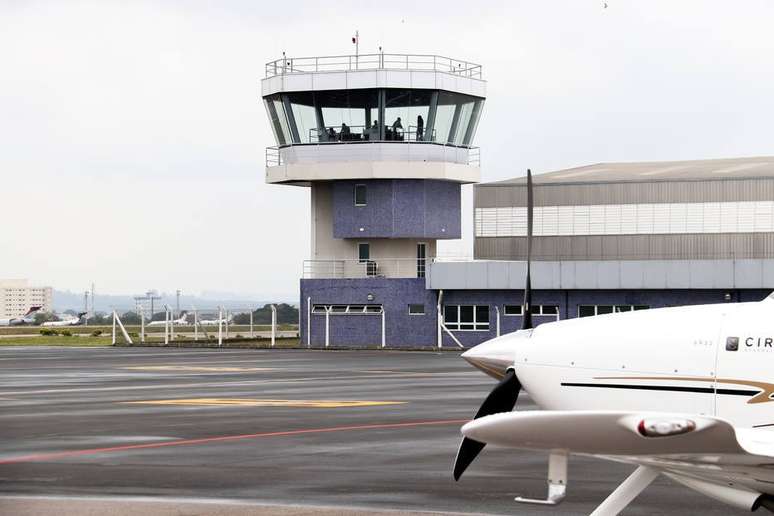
point(384, 141)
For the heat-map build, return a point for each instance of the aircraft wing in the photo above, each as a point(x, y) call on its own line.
point(619, 433)
point(704, 453)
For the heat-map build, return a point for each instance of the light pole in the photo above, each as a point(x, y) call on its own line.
point(177, 305)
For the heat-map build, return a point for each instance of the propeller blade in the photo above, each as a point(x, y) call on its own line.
point(502, 399)
point(526, 319)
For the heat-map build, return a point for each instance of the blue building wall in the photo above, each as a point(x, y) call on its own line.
point(403, 208)
point(395, 294)
point(420, 331)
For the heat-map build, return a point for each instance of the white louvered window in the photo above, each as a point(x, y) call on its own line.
point(629, 219)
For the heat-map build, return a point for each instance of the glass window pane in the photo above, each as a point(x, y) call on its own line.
point(302, 107)
point(363, 252)
point(282, 120)
point(412, 108)
point(444, 115)
point(450, 313)
point(473, 125)
point(396, 113)
point(641, 307)
point(416, 309)
point(466, 314)
point(550, 309)
point(466, 110)
point(623, 308)
point(360, 195)
point(274, 121)
point(585, 310)
point(347, 114)
point(482, 314)
point(512, 309)
point(604, 309)
point(534, 309)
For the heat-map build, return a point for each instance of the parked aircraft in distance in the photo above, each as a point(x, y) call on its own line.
point(180, 321)
point(72, 320)
point(684, 392)
point(215, 322)
point(28, 318)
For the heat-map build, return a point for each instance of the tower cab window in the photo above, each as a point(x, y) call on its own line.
point(360, 195)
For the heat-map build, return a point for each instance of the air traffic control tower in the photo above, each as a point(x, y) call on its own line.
point(383, 142)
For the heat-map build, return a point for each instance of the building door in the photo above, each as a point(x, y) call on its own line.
point(364, 257)
point(421, 259)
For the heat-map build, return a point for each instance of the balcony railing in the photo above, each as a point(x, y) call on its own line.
point(376, 268)
point(288, 65)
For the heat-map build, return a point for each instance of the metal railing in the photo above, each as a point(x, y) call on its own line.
point(361, 133)
point(273, 157)
point(380, 61)
point(375, 268)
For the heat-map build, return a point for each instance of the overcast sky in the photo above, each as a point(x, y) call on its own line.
point(132, 135)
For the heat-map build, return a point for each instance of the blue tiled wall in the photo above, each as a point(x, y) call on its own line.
point(411, 331)
point(395, 294)
point(398, 208)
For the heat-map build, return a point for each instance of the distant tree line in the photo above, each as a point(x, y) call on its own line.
point(286, 314)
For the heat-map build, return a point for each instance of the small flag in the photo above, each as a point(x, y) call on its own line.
point(354, 40)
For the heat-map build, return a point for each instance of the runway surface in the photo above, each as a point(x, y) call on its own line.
point(148, 430)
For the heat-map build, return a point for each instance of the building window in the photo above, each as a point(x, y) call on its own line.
point(629, 219)
point(513, 310)
point(363, 252)
point(360, 195)
point(347, 309)
point(416, 309)
point(421, 259)
point(590, 310)
point(541, 310)
point(466, 317)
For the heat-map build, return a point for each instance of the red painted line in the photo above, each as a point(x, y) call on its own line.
point(224, 438)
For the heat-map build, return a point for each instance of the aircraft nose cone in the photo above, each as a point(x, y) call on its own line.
point(493, 357)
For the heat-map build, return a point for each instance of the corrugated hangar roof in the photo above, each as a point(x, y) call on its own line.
point(650, 171)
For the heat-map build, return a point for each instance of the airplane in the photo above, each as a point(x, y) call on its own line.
point(27, 318)
point(181, 321)
point(215, 322)
point(683, 392)
point(70, 321)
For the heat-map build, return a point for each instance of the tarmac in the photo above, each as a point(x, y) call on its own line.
point(290, 432)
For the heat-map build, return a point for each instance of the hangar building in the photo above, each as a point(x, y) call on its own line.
point(384, 142)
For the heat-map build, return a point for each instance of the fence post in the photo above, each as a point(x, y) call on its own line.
point(226, 323)
point(439, 306)
point(384, 340)
point(142, 324)
point(308, 322)
point(196, 325)
point(220, 326)
point(114, 327)
point(166, 325)
point(497, 309)
point(273, 324)
point(327, 325)
point(252, 336)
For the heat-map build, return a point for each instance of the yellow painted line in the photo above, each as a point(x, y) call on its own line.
point(198, 369)
point(251, 402)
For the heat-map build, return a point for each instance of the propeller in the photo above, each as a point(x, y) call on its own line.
point(504, 396)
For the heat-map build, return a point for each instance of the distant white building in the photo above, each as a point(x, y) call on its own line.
point(17, 296)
